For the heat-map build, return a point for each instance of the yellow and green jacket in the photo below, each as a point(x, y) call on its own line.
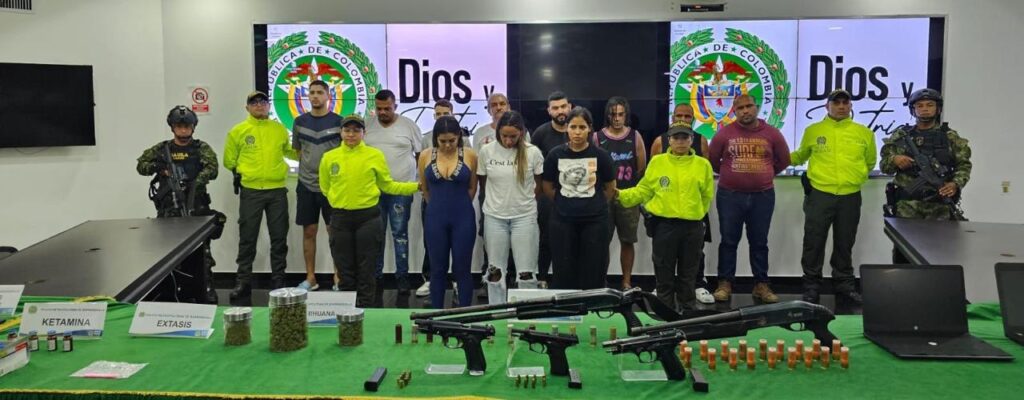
point(256, 149)
point(674, 186)
point(352, 178)
point(841, 153)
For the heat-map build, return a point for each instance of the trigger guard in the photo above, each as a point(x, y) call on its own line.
point(446, 342)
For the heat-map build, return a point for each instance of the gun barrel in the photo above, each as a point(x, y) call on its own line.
point(716, 318)
point(768, 313)
point(429, 325)
point(624, 344)
point(530, 334)
point(477, 309)
point(520, 331)
point(610, 296)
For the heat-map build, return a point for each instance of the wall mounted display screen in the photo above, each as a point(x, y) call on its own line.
point(44, 105)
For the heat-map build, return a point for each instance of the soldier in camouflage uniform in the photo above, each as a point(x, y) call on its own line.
point(197, 162)
point(950, 157)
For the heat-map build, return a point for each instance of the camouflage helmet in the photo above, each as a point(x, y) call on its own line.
point(924, 94)
point(182, 115)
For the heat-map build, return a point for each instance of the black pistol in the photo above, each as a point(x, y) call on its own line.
point(658, 347)
point(467, 337)
point(552, 344)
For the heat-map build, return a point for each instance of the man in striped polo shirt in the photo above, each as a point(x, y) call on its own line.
point(313, 134)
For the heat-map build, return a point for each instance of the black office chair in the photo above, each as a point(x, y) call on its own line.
point(6, 251)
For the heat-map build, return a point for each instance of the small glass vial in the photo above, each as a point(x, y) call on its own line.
point(237, 326)
point(68, 343)
point(350, 327)
point(33, 341)
point(51, 341)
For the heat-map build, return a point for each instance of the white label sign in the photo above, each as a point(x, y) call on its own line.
point(82, 320)
point(14, 356)
point(173, 320)
point(526, 294)
point(9, 296)
point(322, 307)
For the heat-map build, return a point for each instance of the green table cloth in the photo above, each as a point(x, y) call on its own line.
point(194, 368)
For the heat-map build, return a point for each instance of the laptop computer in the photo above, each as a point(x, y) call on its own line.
point(1010, 281)
point(920, 312)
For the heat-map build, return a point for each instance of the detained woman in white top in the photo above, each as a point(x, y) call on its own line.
point(510, 169)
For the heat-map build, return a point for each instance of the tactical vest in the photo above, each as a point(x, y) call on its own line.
point(189, 160)
point(935, 145)
point(187, 157)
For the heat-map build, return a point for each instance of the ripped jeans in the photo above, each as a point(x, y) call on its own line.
point(395, 210)
point(521, 235)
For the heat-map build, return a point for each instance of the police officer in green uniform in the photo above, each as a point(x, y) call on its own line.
point(931, 163)
point(194, 164)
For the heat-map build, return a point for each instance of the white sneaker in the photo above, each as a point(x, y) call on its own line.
point(424, 290)
point(704, 296)
point(309, 288)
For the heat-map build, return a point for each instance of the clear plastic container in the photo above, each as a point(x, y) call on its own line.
point(237, 326)
point(288, 319)
point(350, 327)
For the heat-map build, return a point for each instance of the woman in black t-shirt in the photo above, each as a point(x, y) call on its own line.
point(580, 178)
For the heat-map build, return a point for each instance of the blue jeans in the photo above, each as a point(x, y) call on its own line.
point(520, 235)
point(736, 209)
point(395, 210)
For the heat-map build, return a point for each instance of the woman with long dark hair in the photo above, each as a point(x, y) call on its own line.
point(510, 169)
point(580, 178)
point(449, 185)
